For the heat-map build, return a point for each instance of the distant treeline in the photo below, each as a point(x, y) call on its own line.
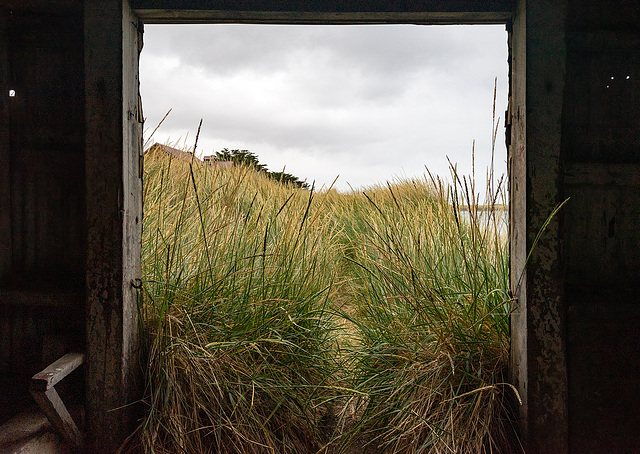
point(245, 157)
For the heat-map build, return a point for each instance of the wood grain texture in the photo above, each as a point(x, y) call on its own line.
point(52, 406)
point(319, 12)
point(114, 221)
point(52, 374)
point(357, 6)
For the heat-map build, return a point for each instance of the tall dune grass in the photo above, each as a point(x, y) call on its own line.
point(432, 337)
point(280, 320)
point(238, 275)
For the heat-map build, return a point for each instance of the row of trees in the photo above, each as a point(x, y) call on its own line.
point(245, 157)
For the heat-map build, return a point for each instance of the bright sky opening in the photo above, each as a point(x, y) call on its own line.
point(368, 103)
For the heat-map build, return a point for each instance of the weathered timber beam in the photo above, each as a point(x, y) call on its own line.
point(114, 222)
point(59, 417)
point(316, 12)
point(328, 6)
point(289, 18)
point(47, 398)
point(48, 377)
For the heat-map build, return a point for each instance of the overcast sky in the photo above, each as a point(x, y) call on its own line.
point(368, 103)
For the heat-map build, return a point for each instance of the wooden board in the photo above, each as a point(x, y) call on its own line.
point(316, 12)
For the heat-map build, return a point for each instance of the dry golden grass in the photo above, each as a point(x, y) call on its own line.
point(280, 320)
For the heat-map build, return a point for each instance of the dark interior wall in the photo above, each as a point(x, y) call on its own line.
point(601, 159)
point(46, 137)
point(42, 231)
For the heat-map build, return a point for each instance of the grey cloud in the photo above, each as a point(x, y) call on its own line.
point(225, 49)
point(375, 53)
point(328, 95)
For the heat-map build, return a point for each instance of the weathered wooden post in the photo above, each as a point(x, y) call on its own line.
point(114, 220)
point(538, 331)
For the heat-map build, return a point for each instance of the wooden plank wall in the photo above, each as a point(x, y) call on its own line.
point(47, 152)
point(42, 209)
point(5, 167)
point(602, 176)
